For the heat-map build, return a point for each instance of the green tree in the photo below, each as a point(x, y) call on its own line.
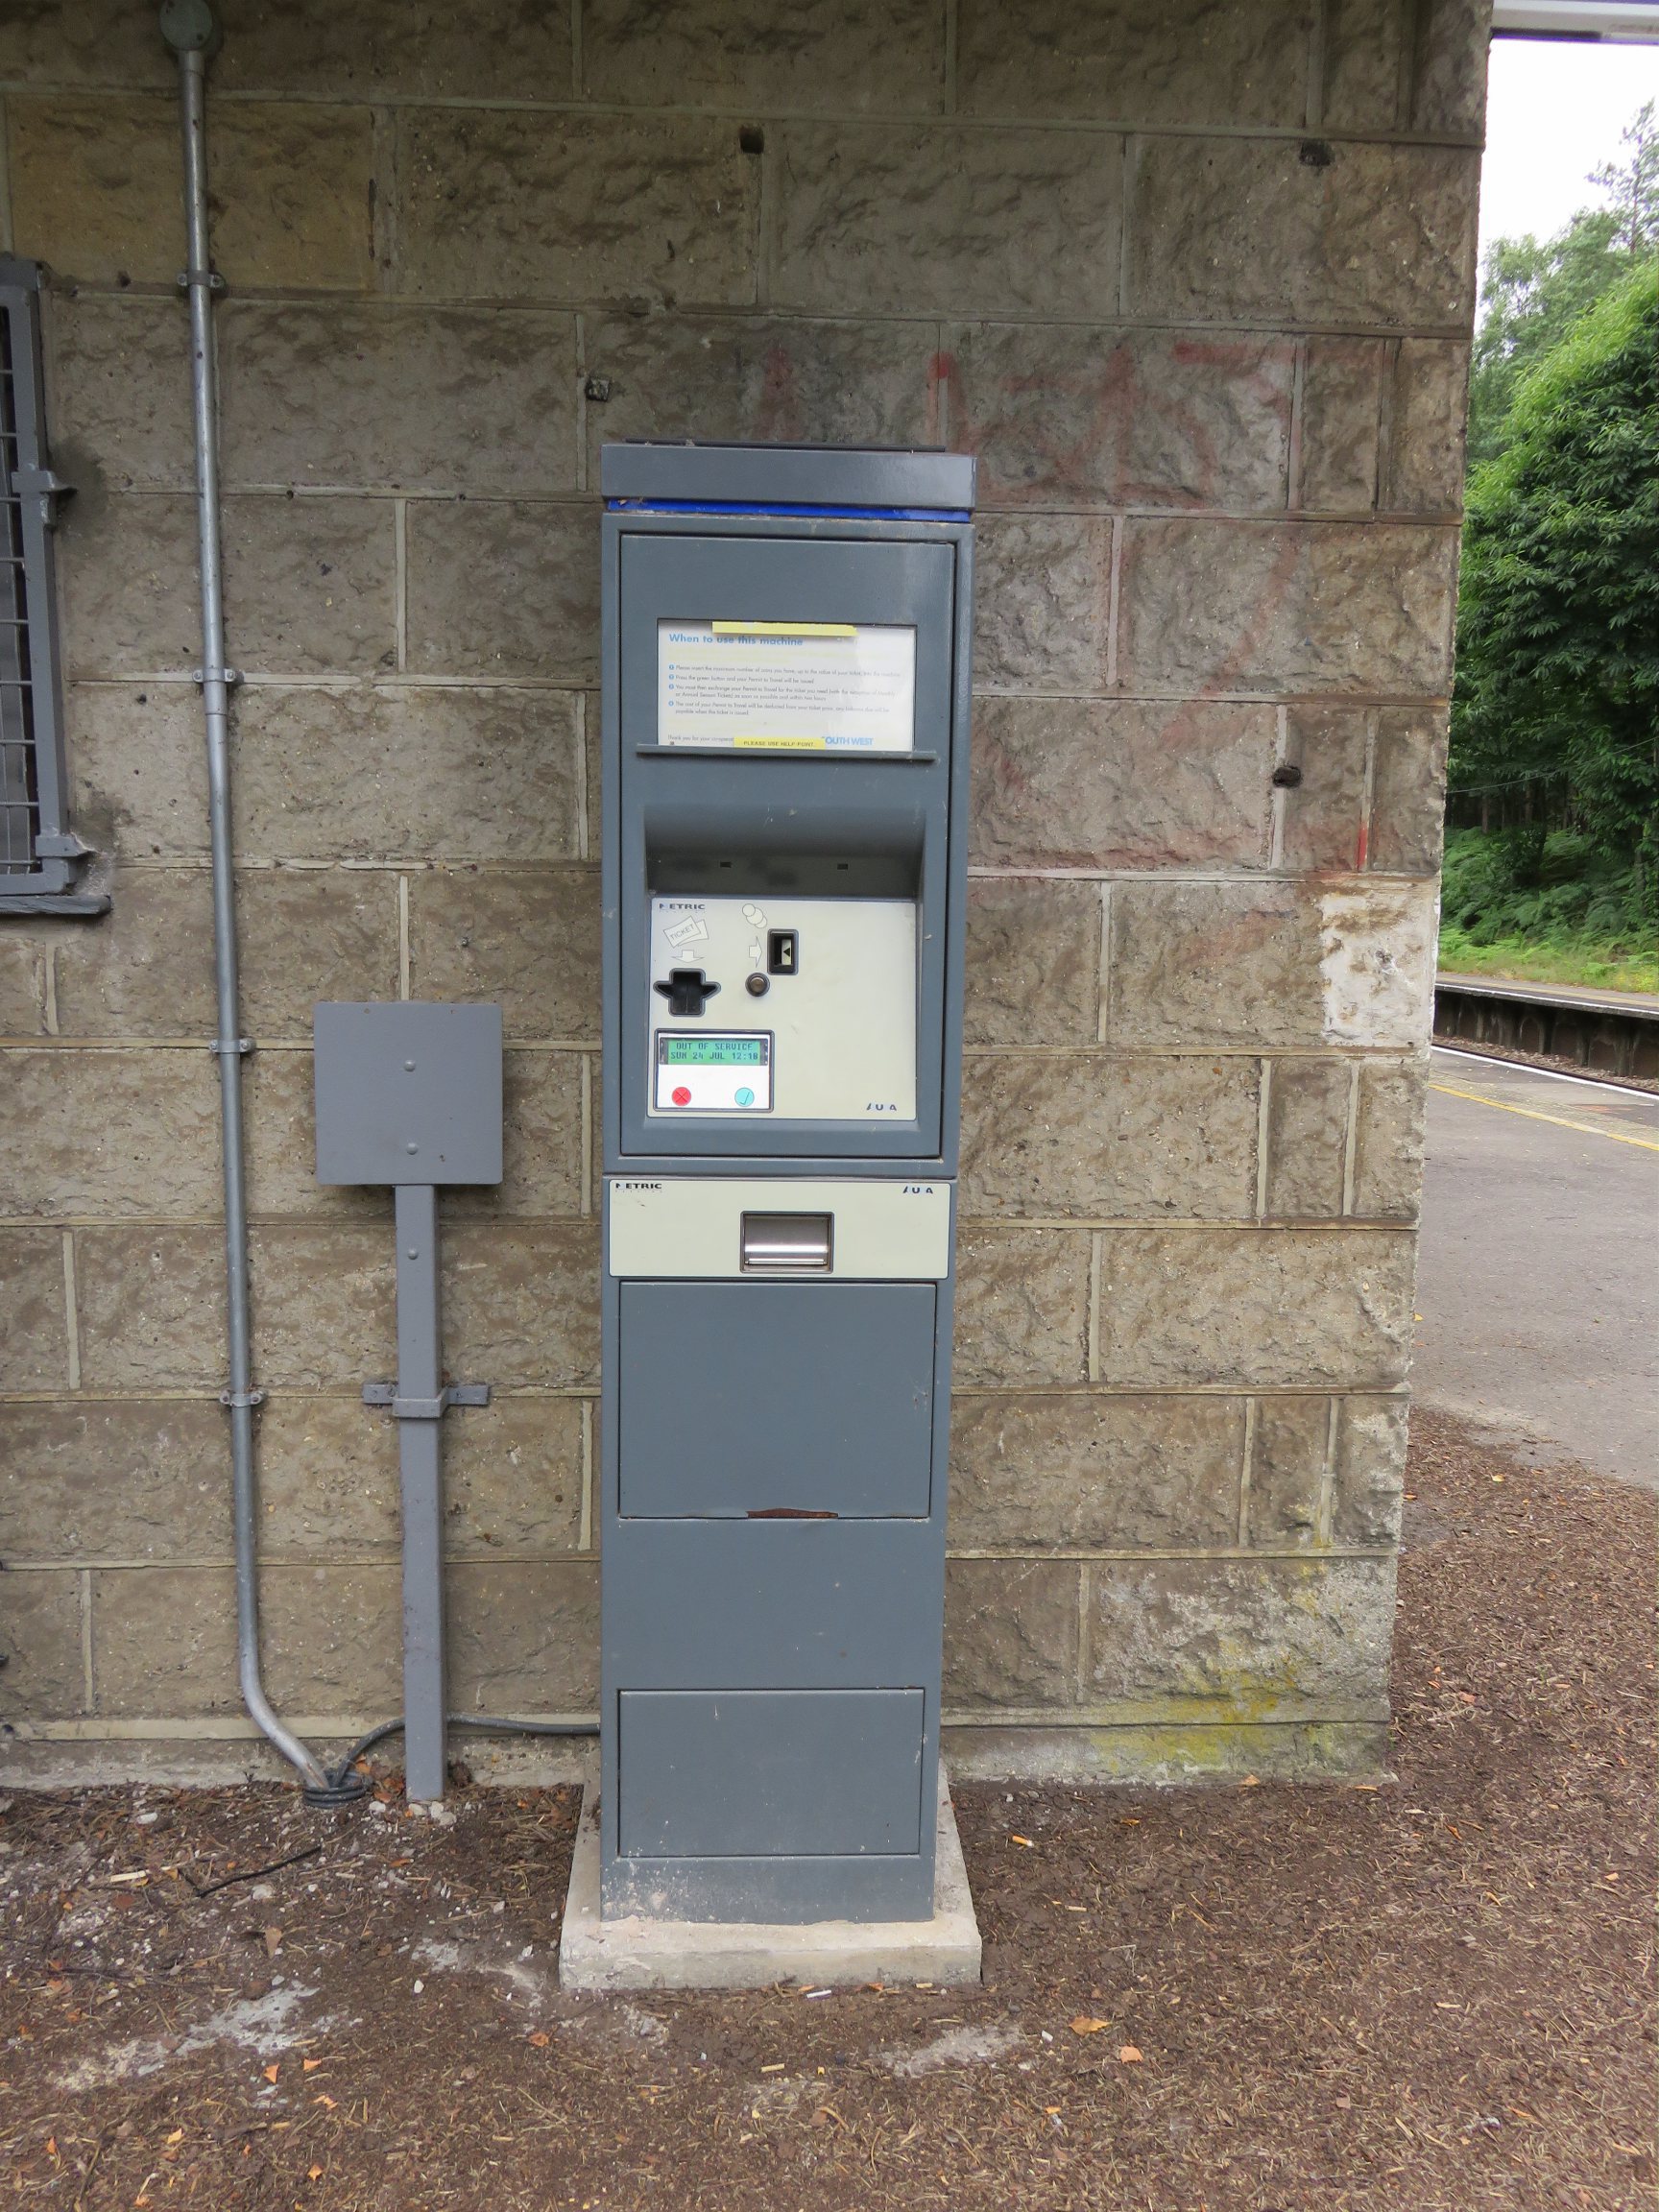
point(1532, 292)
point(1558, 691)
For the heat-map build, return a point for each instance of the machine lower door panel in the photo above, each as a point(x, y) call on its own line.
point(748, 1400)
point(709, 1773)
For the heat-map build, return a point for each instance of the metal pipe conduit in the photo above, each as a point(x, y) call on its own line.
point(188, 27)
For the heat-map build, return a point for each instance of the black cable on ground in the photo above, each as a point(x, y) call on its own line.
point(345, 1786)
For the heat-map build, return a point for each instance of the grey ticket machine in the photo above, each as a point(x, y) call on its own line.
point(785, 808)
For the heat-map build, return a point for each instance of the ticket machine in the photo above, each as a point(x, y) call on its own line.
point(785, 813)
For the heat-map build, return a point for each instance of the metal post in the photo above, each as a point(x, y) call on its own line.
point(420, 1459)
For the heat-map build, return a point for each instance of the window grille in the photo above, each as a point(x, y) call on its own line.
point(41, 856)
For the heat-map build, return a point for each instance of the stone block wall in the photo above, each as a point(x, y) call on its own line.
point(1195, 283)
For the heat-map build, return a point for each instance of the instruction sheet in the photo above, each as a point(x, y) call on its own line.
point(795, 686)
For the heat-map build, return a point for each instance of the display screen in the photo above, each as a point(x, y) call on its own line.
point(712, 1051)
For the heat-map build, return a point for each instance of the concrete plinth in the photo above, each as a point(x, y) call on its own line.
point(639, 1954)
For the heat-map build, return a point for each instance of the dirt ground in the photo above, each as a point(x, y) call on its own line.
point(1435, 1993)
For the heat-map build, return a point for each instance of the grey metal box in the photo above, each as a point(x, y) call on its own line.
point(408, 1092)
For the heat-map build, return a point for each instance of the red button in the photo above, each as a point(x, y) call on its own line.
point(682, 1096)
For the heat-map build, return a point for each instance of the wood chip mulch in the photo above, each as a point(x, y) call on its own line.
point(1435, 1993)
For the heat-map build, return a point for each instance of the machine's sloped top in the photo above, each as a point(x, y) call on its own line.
point(788, 475)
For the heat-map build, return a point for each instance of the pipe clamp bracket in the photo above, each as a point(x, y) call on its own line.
point(238, 1047)
point(211, 278)
point(234, 1399)
point(426, 1408)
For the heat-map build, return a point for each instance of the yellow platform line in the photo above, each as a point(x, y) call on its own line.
point(1532, 1113)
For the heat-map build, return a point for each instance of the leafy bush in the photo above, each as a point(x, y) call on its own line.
point(1556, 704)
point(1548, 905)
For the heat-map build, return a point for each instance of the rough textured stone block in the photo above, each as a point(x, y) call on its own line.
point(1288, 1467)
point(1042, 592)
point(324, 1304)
point(1030, 1472)
point(1449, 87)
point(1259, 1638)
point(146, 968)
point(407, 771)
point(308, 585)
point(499, 588)
point(1366, 53)
point(44, 1677)
point(522, 1303)
point(332, 1637)
point(540, 1141)
point(152, 1306)
point(23, 980)
point(765, 379)
point(922, 221)
point(498, 49)
point(95, 185)
point(311, 584)
point(1307, 1138)
point(527, 939)
point(1429, 394)
point(328, 1477)
point(575, 208)
point(1342, 426)
point(1408, 791)
point(96, 193)
point(1078, 1133)
point(120, 390)
point(514, 1478)
point(523, 1637)
point(1120, 783)
point(94, 43)
point(1010, 1633)
point(1235, 230)
point(109, 1133)
point(1271, 964)
point(1022, 1306)
point(1370, 1473)
point(1326, 607)
point(310, 934)
point(33, 1315)
point(1377, 963)
point(1198, 61)
point(851, 57)
point(1033, 962)
point(126, 584)
point(103, 1479)
point(1389, 1140)
point(1068, 418)
point(1324, 815)
point(164, 1642)
point(1255, 1309)
point(445, 399)
point(137, 765)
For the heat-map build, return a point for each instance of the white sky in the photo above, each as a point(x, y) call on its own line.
point(1555, 112)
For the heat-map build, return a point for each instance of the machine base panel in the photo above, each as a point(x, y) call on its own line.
point(635, 1953)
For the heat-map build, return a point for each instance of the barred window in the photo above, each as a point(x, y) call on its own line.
point(41, 856)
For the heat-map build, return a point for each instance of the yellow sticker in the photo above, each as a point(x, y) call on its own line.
point(784, 629)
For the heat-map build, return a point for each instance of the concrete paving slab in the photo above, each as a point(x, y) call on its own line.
point(1538, 1269)
point(639, 1954)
